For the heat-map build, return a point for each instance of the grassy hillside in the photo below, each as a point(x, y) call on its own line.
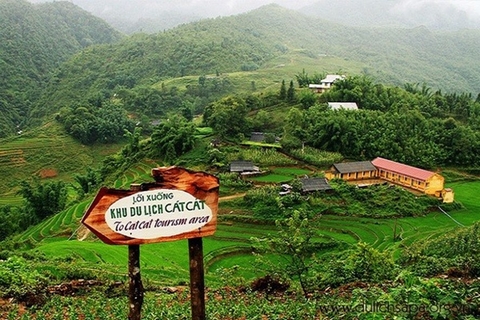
point(35, 39)
point(48, 152)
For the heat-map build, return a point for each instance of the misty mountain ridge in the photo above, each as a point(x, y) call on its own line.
point(151, 16)
point(444, 60)
point(432, 14)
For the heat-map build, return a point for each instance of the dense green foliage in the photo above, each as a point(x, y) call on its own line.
point(420, 299)
point(346, 200)
point(456, 253)
point(35, 39)
point(172, 138)
point(43, 199)
point(11, 221)
point(227, 117)
point(412, 126)
point(19, 279)
point(105, 123)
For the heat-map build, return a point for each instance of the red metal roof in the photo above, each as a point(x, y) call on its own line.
point(406, 170)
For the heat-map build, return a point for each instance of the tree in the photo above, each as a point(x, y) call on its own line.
point(89, 181)
point(291, 92)
point(228, 117)
point(172, 138)
point(283, 91)
point(294, 244)
point(295, 129)
point(263, 121)
point(10, 221)
point(307, 98)
point(44, 199)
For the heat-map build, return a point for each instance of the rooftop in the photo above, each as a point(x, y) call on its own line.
point(315, 184)
point(358, 166)
point(401, 168)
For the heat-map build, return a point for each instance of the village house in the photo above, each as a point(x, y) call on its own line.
point(351, 171)
point(325, 84)
point(244, 167)
point(315, 184)
point(412, 178)
point(428, 182)
point(257, 137)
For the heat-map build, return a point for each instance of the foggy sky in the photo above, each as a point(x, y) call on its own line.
point(136, 9)
point(471, 8)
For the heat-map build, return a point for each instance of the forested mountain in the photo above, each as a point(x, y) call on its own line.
point(35, 39)
point(446, 61)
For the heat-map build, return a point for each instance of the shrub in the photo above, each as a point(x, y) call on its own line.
point(19, 280)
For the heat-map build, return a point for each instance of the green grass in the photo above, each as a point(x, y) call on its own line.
point(282, 174)
point(467, 193)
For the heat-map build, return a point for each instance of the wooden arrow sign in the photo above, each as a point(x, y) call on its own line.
point(180, 204)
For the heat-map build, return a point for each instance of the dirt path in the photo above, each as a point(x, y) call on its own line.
point(233, 196)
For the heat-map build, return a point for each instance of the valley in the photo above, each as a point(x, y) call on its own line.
point(101, 109)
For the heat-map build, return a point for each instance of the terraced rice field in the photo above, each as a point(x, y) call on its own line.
point(231, 246)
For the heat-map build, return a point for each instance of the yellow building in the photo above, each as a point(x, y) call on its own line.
point(351, 171)
point(428, 182)
point(417, 179)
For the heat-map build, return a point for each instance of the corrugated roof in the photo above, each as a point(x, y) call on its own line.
point(240, 166)
point(403, 169)
point(317, 86)
point(315, 184)
point(257, 136)
point(358, 166)
point(330, 78)
point(343, 105)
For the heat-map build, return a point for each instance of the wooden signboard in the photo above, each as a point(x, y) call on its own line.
point(180, 204)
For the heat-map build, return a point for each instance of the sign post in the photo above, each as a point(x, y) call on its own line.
point(180, 204)
point(197, 283)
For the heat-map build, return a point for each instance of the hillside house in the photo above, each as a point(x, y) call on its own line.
point(315, 184)
point(325, 84)
point(257, 137)
point(428, 182)
point(342, 105)
point(413, 178)
point(351, 171)
point(243, 167)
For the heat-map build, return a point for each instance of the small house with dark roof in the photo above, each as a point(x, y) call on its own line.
point(257, 137)
point(242, 167)
point(315, 184)
point(352, 171)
